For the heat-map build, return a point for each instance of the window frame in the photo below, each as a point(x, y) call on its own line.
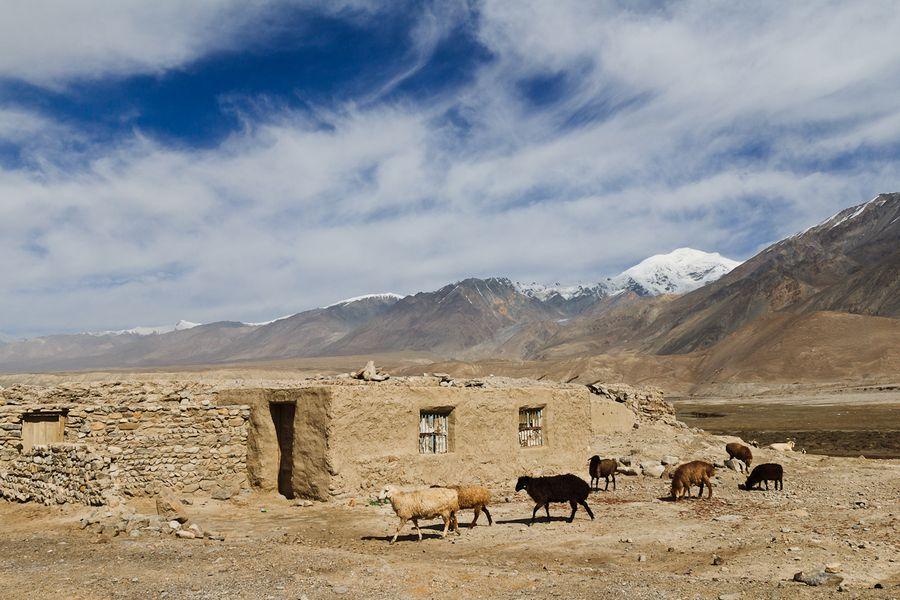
point(443, 415)
point(30, 427)
point(526, 415)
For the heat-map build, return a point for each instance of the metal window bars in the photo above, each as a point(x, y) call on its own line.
point(531, 423)
point(433, 432)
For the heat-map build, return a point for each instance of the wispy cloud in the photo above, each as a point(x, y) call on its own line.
point(592, 136)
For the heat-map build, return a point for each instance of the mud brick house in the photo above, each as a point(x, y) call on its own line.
point(338, 440)
point(319, 438)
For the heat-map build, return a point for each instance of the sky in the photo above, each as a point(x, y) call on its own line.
point(230, 160)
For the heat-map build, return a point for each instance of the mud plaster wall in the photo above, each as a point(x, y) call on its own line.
point(311, 471)
point(610, 417)
point(373, 436)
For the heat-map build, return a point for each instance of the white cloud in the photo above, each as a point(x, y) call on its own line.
point(288, 215)
point(52, 42)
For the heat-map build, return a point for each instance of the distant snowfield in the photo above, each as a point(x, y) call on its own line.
point(179, 326)
point(381, 296)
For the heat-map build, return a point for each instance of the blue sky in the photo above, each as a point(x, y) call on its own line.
point(218, 159)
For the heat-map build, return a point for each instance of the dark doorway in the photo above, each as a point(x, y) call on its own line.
point(283, 418)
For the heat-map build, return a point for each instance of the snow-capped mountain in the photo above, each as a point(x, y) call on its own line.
point(678, 272)
point(382, 296)
point(179, 326)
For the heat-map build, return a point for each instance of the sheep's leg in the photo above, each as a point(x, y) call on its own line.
point(574, 506)
point(587, 508)
point(475, 519)
point(708, 487)
point(399, 528)
point(487, 513)
point(534, 513)
point(419, 531)
point(547, 508)
point(766, 481)
point(782, 483)
point(606, 489)
point(447, 521)
point(700, 493)
point(454, 521)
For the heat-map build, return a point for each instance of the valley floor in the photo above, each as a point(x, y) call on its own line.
point(832, 510)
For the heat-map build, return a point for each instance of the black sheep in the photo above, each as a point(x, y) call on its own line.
point(556, 488)
point(605, 468)
point(765, 473)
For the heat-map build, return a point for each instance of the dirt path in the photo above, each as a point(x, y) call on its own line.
point(333, 550)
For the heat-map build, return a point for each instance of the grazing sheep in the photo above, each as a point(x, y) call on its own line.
point(765, 473)
point(783, 446)
point(741, 453)
point(696, 472)
point(556, 488)
point(605, 468)
point(475, 497)
point(429, 503)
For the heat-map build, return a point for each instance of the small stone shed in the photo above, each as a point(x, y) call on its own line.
point(342, 439)
point(85, 442)
point(316, 438)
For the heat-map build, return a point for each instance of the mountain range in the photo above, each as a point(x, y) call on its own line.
point(689, 303)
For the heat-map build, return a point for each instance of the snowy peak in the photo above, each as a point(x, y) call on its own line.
point(384, 297)
point(179, 326)
point(678, 272)
point(545, 292)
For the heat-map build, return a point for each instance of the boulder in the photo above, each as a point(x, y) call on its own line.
point(817, 578)
point(627, 471)
point(370, 373)
point(169, 507)
point(669, 460)
point(221, 493)
point(655, 471)
point(732, 464)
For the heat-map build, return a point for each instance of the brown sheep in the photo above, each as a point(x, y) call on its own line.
point(741, 453)
point(475, 497)
point(696, 472)
point(605, 468)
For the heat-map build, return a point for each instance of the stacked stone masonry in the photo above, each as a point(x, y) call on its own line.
point(57, 474)
point(152, 434)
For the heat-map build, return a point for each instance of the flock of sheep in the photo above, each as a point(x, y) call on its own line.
point(446, 502)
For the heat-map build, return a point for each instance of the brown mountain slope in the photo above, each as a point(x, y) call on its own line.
point(850, 263)
point(456, 317)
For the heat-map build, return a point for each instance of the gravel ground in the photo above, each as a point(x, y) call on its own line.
point(833, 510)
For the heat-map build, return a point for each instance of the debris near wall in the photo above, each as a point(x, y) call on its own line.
point(371, 373)
point(123, 521)
point(58, 474)
point(648, 404)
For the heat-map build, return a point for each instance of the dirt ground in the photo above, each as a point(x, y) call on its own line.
point(832, 510)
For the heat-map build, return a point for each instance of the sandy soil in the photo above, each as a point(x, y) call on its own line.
point(336, 550)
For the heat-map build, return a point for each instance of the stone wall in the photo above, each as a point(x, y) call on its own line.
point(156, 434)
point(57, 474)
point(648, 404)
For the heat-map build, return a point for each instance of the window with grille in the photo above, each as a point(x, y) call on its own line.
point(531, 427)
point(434, 432)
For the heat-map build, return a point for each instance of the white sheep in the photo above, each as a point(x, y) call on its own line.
point(426, 503)
point(783, 446)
